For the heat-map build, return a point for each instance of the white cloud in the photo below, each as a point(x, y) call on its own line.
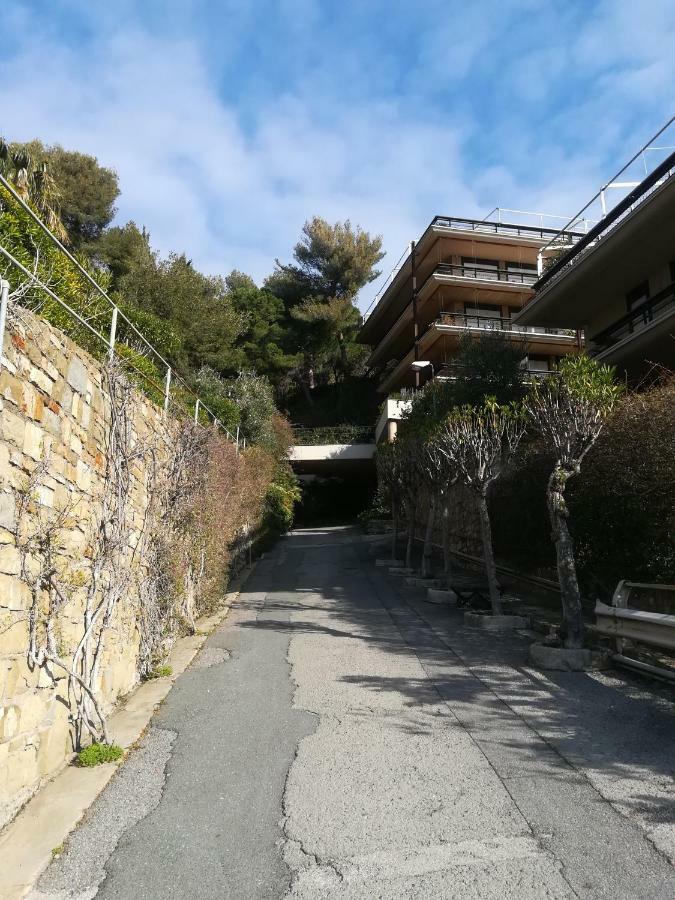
point(231, 184)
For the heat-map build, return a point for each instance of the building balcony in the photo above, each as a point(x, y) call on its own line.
point(466, 322)
point(490, 278)
point(463, 283)
point(441, 341)
point(648, 329)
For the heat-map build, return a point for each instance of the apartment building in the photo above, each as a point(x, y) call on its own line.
point(462, 276)
point(617, 282)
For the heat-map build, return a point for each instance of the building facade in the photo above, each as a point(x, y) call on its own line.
point(617, 282)
point(463, 276)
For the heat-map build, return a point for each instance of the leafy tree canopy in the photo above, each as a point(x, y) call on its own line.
point(83, 191)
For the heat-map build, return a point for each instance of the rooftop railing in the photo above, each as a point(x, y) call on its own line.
point(609, 219)
point(482, 226)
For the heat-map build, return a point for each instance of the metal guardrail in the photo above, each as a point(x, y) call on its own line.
point(655, 629)
point(108, 340)
point(333, 434)
point(653, 626)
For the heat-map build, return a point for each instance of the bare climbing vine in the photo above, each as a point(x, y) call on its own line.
point(53, 581)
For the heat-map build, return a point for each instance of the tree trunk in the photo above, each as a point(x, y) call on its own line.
point(394, 532)
point(572, 629)
point(445, 529)
point(410, 508)
point(488, 555)
point(428, 536)
point(306, 392)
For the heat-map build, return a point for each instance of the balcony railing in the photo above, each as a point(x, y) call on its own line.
point(493, 323)
point(657, 307)
point(483, 274)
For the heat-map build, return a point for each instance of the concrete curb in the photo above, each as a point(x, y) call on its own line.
point(48, 818)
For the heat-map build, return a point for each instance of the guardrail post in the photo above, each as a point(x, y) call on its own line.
point(197, 410)
point(167, 388)
point(113, 331)
point(4, 300)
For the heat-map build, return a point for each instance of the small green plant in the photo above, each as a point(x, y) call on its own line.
point(57, 851)
point(96, 754)
point(161, 672)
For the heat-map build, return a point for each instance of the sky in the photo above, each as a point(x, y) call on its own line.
point(230, 123)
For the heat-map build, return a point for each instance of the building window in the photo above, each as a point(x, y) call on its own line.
point(637, 296)
point(484, 268)
point(482, 315)
point(538, 364)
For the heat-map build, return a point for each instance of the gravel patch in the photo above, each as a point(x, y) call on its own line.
point(134, 792)
point(210, 656)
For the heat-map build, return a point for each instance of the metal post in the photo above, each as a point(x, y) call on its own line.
point(237, 439)
point(602, 203)
point(113, 331)
point(167, 388)
point(197, 410)
point(4, 300)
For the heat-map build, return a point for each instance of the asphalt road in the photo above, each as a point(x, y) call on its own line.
point(340, 738)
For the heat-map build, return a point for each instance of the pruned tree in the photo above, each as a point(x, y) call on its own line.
point(479, 442)
point(441, 474)
point(409, 449)
point(569, 409)
point(388, 462)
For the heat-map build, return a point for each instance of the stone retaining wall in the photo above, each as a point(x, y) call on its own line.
point(53, 413)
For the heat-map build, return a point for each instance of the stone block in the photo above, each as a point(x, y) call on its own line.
point(36, 709)
point(10, 560)
point(7, 509)
point(10, 721)
point(54, 746)
point(33, 442)
point(444, 598)
point(51, 422)
point(13, 633)
point(45, 496)
point(489, 622)
point(77, 376)
point(11, 387)
point(13, 428)
point(565, 659)
point(41, 379)
point(20, 678)
point(14, 593)
point(83, 476)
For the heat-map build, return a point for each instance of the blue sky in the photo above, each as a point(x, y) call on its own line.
point(231, 123)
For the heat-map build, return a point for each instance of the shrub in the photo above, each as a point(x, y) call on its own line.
point(623, 506)
point(161, 672)
point(96, 754)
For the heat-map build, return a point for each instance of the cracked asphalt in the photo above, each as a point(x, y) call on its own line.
point(338, 737)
